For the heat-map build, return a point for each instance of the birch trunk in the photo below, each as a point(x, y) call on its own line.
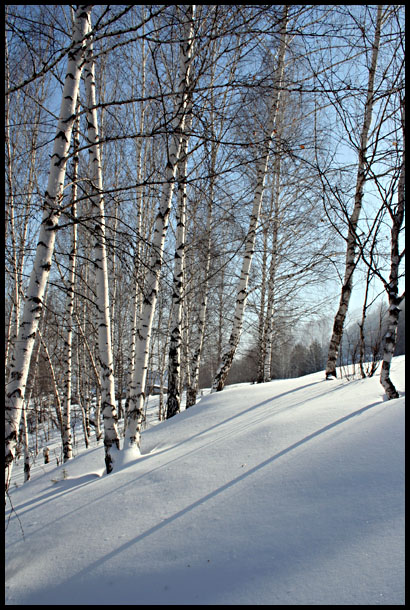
point(267, 322)
point(215, 139)
point(227, 358)
point(25, 445)
point(193, 387)
point(18, 246)
point(262, 316)
point(138, 250)
point(19, 365)
point(390, 339)
point(10, 225)
point(137, 391)
point(109, 412)
point(26, 404)
point(174, 361)
point(66, 432)
point(351, 262)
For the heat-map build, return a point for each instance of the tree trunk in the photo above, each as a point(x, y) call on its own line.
point(45, 246)
point(267, 320)
point(109, 412)
point(227, 358)
point(67, 441)
point(193, 387)
point(390, 339)
point(174, 359)
point(137, 390)
point(351, 261)
point(25, 445)
point(138, 248)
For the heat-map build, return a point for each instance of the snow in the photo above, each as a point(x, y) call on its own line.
point(285, 493)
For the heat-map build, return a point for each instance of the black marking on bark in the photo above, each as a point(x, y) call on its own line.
point(62, 135)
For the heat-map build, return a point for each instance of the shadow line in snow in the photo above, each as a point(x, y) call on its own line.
point(60, 487)
point(212, 494)
point(267, 401)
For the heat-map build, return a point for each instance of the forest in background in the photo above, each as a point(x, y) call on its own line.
point(189, 191)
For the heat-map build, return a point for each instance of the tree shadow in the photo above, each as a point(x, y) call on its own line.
point(216, 492)
point(238, 415)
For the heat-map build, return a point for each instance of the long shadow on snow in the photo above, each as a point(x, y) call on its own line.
point(60, 487)
point(78, 483)
point(228, 485)
point(269, 400)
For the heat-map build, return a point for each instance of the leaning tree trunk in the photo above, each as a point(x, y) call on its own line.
point(109, 412)
point(33, 307)
point(142, 346)
point(392, 288)
point(228, 356)
point(351, 261)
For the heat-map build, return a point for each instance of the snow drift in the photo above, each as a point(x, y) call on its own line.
point(285, 493)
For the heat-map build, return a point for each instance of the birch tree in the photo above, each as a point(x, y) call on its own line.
point(397, 216)
point(351, 249)
point(194, 364)
point(66, 432)
point(33, 306)
point(393, 207)
point(268, 282)
point(137, 391)
point(174, 360)
point(22, 153)
point(109, 412)
point(213, 135)
point(262, 165)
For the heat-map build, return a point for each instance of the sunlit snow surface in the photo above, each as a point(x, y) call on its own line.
point(286, 493)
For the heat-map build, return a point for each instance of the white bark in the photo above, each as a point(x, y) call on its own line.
point(193, 387)
point(266, 332)
point(41, 268)
point(193, 367)
point(174, 366)
point(354, 218)
point(138, 248)
point(109, 412)
point(271, 289)
point(390, 339)
point(18, 238)
point(137, 390)
point(228, 356)
point(25, 445)
point(66, 432)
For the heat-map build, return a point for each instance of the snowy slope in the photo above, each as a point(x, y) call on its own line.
point(286, 493)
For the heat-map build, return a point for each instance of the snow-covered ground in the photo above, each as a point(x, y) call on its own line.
point(286, 493)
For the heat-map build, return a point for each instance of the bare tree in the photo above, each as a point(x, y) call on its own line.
point(396, 212)
point(66, 431)
point(109, 411)
point(42, 263)
point(262, 165)
point(351, 250)
point(175, 343)
point(137, 394)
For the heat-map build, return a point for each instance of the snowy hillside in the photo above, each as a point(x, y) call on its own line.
point(286, 493)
